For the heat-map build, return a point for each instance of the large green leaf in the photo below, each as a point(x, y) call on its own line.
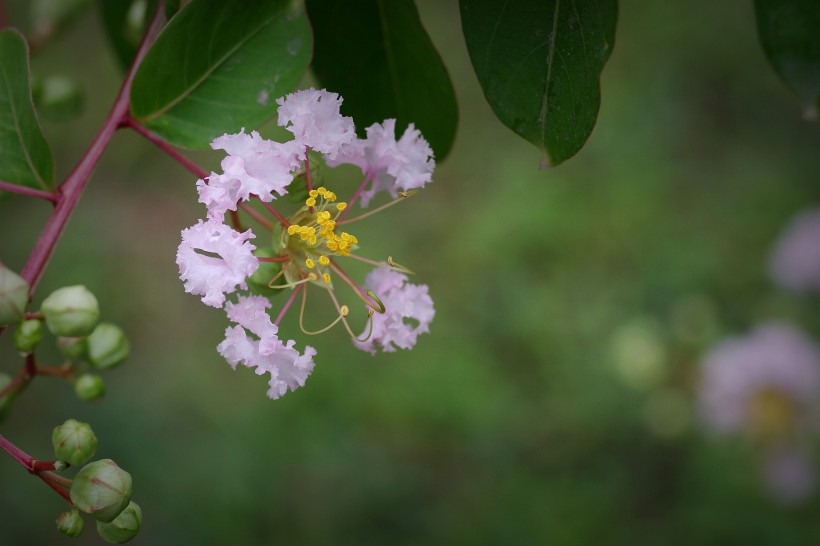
point(539, 65)
point(25, 157)
point(790, 33)
point(377, 55)
point(218, 67)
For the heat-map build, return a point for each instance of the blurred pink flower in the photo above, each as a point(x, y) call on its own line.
point(795, 260)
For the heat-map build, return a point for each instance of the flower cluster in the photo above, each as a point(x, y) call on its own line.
point(767, 385)
point(216, 259)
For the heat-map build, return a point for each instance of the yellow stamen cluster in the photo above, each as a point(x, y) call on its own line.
point(320, 234)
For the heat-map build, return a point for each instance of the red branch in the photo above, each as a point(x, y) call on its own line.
point(69, 192)
point(31, 192)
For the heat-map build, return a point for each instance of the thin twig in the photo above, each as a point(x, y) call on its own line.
point(30, 192)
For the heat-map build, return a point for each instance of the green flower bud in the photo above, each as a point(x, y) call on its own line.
point(71, 311)
point(74, 442)
point(71, 523)
point(72, 347)
point(101, 489)
point(5, 401)
point(28, 335)
point(13, 296)
point(89, 387)
point(107, 346)
point(124, 527)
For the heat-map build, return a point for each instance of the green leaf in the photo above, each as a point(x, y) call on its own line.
point(125, 21)
point(217, 68)
point(378, 57)
point(25, 157)
point(539, 66)
point(790, 34)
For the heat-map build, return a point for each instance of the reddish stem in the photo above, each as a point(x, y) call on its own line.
point(33, 466)
point(69, 192)
point(250, 211)
point(270, 209)
point(288, 303)
point(131, 123)
point(31, 192)
point(276, 259)
point(355, 197)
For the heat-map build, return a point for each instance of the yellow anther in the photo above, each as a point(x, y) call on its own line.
point(310, 201)
point(304, 229)
point(354, 240)
point(346, 237)
point(310, 263)
point(312, 240)
point(311, 230)
point(341, 206)
point(330, 196)
point(313, 193)
point(324, 260)
point(321, 190)
point(324, 215)
point(292, 229)
point(326, 277)
point(332, 245)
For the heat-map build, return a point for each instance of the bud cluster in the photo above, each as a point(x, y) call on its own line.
point(101, 489)
point(72, 315)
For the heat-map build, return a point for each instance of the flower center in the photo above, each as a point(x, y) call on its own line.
point(311, 237)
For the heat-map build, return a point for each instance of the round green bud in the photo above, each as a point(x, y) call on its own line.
point(13, 296)
point(71, 311)
point(89, 387)
point(101, 489)
point(107, 346)
point(72, 347)
point(28, 335)
point(74, 442)
point(5, 401)
point(124, 527)
point(71, 523)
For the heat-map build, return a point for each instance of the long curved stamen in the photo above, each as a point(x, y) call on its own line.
point(402, 196)
point(310, 278)
point(347, 325)
point(380, 309)
point(273, 279)
point(399, 267)
point(344, 310)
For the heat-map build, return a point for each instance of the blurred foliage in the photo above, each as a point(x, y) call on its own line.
point(513, 422)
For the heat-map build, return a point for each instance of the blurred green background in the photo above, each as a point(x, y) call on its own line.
point(553, 401)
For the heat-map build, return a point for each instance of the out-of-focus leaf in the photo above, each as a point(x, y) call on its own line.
point(25, 157)
point(125, 22)
point(57, 97)
point(217, 68)
point(378, 57)
point(790, 34)
point(539, 66)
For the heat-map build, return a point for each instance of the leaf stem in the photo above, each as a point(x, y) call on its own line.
point(131, 123)
point(31, 192)
point(58, 483)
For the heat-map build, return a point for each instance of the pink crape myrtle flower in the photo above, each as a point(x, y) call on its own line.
point(288, 368)
point(254, 166)
point(795, 260)
point(766, 385)
point(214, 260)
point(392, 166)
point(315, 120)
point(303, 248)
point(402, 301)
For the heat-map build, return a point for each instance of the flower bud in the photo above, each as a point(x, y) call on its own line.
point(13, 296)
point(28, 335)
point(102, 490)
point(72, 347)
point(89, 387)
point(71, 523)
point(74, 442)
point(71, 311)
point(124, 527)
point(5, 401)
point(107, 346)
